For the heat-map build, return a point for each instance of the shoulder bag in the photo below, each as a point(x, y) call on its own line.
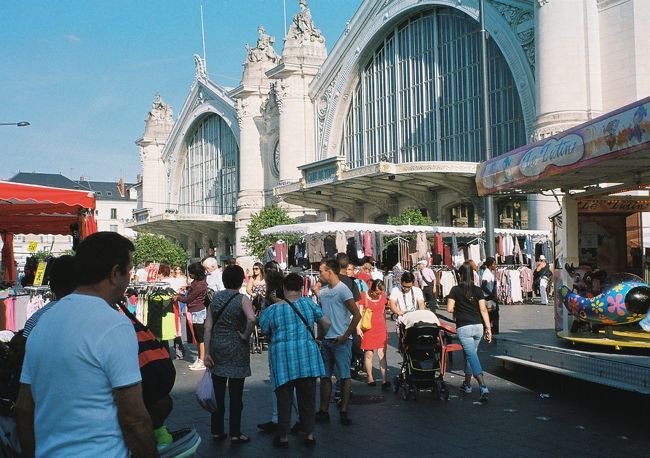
point(302, 318)
point(366, 318)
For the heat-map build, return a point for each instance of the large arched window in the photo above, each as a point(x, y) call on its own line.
point(419, 96)
point(211, 171)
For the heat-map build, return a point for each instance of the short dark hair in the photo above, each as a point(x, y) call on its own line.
point(197, 270)
point(293, 282)
point(62, 278)
point(343, 260)
point(230, 262)
point(489, 261)
point(233, 276)
point(274, 280)
point(332, 265)
point(271, 266)
point(407, 277)
point(98, 253)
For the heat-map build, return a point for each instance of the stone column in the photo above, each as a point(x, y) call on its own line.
point(568, 69)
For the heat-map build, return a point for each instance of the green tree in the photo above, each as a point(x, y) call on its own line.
point(271, 216)
point(152, 247)
point(410, 216)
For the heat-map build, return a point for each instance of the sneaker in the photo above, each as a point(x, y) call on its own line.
point(322, 417)
point(197, 366)
point(484, 393)
point(466, 388)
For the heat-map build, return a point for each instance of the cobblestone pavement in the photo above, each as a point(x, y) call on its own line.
point(577, 419)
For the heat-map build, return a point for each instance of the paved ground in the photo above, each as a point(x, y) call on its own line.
point(577, 419)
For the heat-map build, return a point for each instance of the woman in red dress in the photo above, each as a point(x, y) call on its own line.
point(376, 337)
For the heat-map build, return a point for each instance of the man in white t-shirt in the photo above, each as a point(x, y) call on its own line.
point(141, 273)
point(406, 297)
point(80, 387)
point(336, 346)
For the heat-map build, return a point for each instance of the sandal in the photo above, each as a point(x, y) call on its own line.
point(373, 383)
point(241, 439)
point(385, 386)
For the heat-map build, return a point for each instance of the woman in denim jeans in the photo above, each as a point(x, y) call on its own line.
point(467, 304)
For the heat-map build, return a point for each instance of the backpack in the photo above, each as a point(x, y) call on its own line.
point(207, 300)
point(156, 367)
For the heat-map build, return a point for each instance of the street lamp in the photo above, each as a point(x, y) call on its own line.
point(19, 124)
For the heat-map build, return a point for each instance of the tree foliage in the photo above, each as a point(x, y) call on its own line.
point(410, 216)
point(254, 241)
point(157, 248)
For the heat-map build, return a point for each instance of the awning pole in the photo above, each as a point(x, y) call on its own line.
point(487, 137)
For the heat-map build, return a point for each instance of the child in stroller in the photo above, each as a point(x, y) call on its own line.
point(420, 343)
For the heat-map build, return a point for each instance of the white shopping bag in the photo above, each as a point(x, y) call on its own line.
point(205, 393)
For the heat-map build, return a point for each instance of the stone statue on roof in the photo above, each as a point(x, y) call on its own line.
point(201, 70)
point(264, 50)
point(303, 28)
point(160, 110)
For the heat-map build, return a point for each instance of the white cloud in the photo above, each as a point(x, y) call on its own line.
point(72, 38)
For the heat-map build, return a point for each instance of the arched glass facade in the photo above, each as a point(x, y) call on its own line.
point(210, 182)
point(419, 96)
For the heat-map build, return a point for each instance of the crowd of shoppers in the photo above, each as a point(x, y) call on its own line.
point(81, 331)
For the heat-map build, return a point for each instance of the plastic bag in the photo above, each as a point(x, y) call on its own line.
point(366, 319)
point(205, 393)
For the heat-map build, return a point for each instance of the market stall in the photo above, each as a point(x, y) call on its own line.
point(600, 171)
point(31, 209)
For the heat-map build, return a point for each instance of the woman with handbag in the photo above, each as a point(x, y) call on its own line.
point(294, 356)
point(256, 286)
point(228, 327)
point(372, 329)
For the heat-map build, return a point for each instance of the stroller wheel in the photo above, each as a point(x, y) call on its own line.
point(437, 390)
point(413, 393)
point(404, 393)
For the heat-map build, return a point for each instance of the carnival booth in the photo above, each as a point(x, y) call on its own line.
point(601, 171)
point(31, 209)
point(399, 248)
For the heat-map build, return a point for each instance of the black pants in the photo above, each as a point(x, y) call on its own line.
point(306, 394)
point(235, 395)
point(429, 297)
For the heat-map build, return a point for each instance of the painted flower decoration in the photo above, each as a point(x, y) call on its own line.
point(616, 305)
point(597, 306)
point(618, 288)
point(574, 306)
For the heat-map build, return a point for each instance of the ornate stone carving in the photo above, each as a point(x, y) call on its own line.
point(201, 69)
point(522, 23)
point(325, 102)
point(542, 2)
point(303, 29)
point(278, 93)
point(160, 111)
point(264, 51)
point(242, 110)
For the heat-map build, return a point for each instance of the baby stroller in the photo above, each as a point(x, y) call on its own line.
point(422, 369)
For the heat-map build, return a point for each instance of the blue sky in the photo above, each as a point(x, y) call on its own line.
point(84, 72)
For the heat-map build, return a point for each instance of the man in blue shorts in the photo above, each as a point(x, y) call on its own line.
point(336, 347)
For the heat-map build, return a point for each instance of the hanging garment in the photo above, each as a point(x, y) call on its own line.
point(447, 281)
point(341, 242)
point(421, 246)
point(281, 254)
point(508, 245)
point(315, 249)
point(481, 246)
point(367, 244)
point(500, 247)
point(519, 258)
point(514, 285)
point(546, 251)
point(446, 256)
point(379, 247)
point(268, 256)
point(329, 243)
point(358, 244)
point(475, 253)
point(528, 246)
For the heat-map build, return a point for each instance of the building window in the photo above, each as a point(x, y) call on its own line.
point(113, 213)
point(512, 214)
point(462, 215)
point(419, 96)
point(113, 228)
point(210, 182)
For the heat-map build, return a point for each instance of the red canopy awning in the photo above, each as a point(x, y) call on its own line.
point(32, 209)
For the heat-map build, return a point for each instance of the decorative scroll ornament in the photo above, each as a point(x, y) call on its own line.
point(303, 29)
point(522, 23)
point(201, 70)
point(264, 51)
point(325, 102)
point(278, 93)
point(242, 110)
